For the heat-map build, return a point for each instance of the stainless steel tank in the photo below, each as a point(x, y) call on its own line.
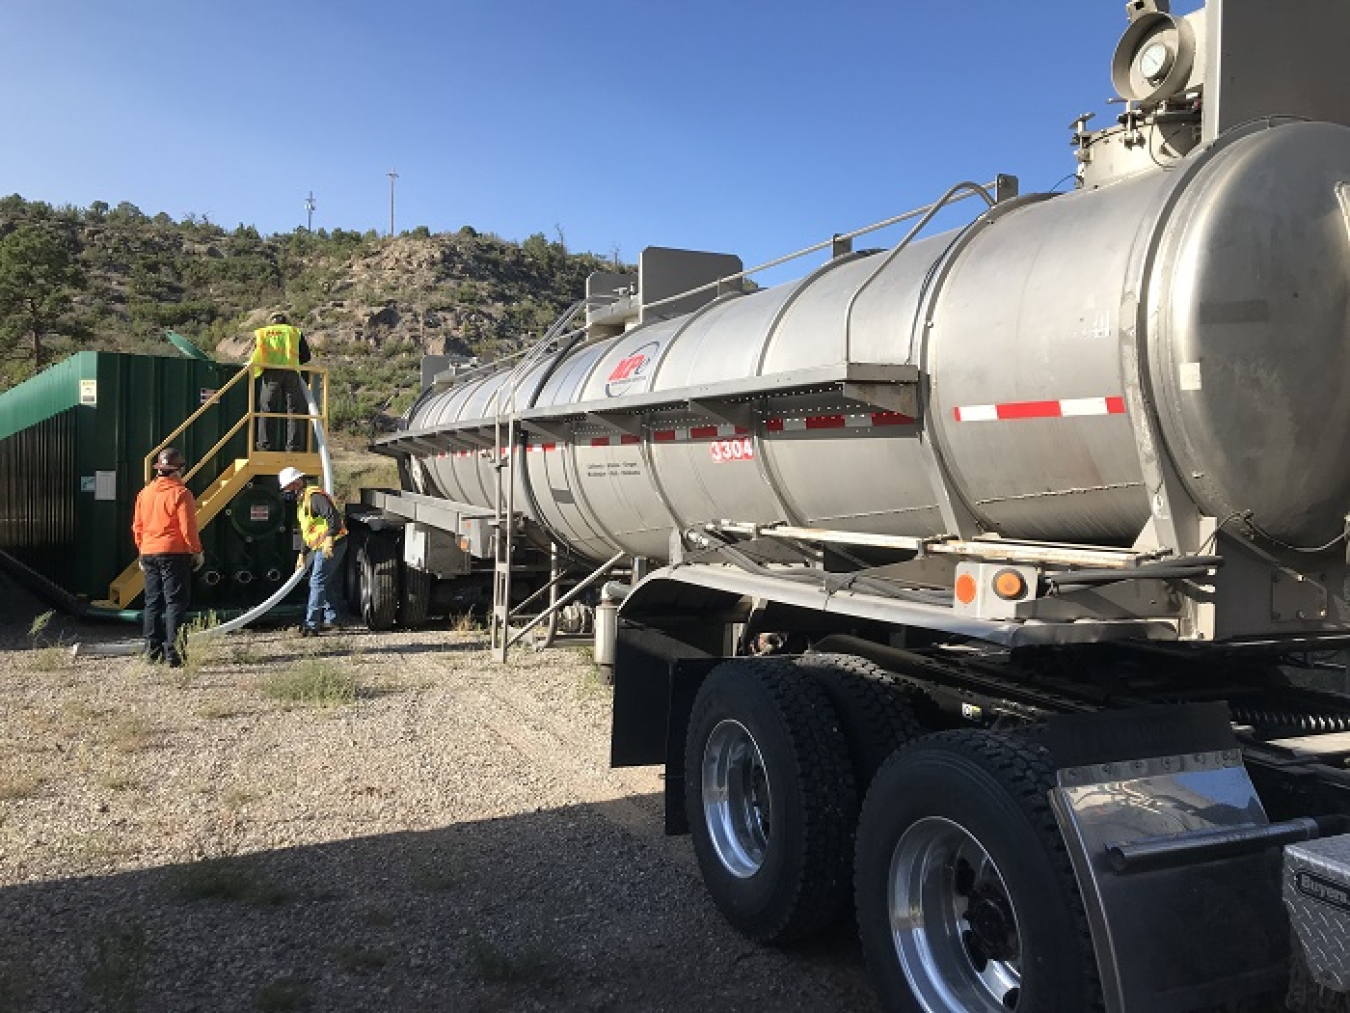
point(1221, 283)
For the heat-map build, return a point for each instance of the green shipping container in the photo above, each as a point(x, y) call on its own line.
point(73, 442)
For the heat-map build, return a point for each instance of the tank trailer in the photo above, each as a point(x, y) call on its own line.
point(992, 586)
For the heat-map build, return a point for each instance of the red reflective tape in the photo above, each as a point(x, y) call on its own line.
point(773, 426)
point(1115, 405)
point(742, 431)
point(703, 432)
point(599, 441)
point(628, 439)
point(825, 422)
point(663, 436)
point(891, 419)
point(1030, 410)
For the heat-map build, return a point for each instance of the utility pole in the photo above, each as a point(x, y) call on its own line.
point(392, 176)
point(309, 208)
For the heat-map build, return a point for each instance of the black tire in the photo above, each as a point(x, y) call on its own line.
point(774, 847)
point(873, 709)
point(416, 603)
point(379, 582)
point(351, 572)
point(997, 921)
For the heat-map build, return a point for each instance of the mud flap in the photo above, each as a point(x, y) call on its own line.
point(1192, 931)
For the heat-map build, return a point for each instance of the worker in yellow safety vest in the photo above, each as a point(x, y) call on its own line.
point(325, 537)
point(278, 349)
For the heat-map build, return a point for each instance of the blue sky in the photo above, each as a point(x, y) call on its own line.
point(747, 127)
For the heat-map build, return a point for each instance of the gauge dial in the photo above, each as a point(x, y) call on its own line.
point(1155, 60)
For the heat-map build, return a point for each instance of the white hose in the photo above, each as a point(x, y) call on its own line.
point(123, 648)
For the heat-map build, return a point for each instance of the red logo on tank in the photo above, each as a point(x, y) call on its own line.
point(629, 375)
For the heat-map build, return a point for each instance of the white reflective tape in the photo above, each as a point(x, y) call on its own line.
point(977, 413)
point(858, 421)
point(794, 425)
point(1084, 406)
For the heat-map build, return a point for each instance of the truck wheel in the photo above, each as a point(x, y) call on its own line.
point(873, 709)
point(965, 896)
point(770, 799)
point(412, 611)
point(351, 573)
point(379, 583)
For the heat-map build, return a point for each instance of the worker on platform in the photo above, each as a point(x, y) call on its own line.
point(278, 349)
point(325, 538)
point(170, 547)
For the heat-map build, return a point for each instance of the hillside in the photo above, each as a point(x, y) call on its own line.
point(371, 306)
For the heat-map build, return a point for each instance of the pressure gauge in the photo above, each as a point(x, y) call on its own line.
point(1155, 61)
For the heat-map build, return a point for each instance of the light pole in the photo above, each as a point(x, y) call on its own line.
point(309, 209)
point(392, 176)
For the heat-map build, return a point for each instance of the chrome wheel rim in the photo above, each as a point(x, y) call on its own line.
point(737, 804)
point(953, 923)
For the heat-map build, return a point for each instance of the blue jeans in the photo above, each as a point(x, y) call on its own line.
point(323, 575)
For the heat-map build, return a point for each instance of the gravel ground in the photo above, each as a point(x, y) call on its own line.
point(452, 839)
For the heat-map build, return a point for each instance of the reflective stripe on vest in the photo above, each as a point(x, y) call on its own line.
point(315, 529)
point(276, 346)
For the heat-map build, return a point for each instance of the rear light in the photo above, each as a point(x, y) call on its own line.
point(966, 588)
point(1009, 585)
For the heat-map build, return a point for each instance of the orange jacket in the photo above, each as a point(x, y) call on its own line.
point(166, 518)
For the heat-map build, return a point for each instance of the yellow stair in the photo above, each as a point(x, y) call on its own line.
point(130, 583)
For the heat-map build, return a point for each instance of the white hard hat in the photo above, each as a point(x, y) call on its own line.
point(289, 475)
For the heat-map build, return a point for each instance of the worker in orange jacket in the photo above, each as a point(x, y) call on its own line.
point(170, 547)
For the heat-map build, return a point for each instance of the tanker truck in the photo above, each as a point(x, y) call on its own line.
point(989, 588)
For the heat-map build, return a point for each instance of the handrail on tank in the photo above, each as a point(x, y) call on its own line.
point(250, 417)
point(928, 209)
point(972, 190)
point(963, 189)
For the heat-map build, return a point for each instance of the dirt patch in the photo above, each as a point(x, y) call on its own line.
point(443, 834)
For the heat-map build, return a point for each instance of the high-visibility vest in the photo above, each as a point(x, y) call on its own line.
point(315, 529)
point(276, 346)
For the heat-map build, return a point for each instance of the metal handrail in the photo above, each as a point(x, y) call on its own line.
point(927, 209)
point(214, 399)
point(965, 189)
point(251, 416)
point(504, 461)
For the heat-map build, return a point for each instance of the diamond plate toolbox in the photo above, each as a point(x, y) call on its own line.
point(1317, 894)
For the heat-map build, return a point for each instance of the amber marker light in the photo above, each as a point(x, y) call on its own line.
point(1009, 585)
point(965, 589)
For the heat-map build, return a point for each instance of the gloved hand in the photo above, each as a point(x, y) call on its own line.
point(326, 547)
point(300, 561)
point(198, 560)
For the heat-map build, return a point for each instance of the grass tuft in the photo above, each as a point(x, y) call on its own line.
point(360, 960)
point(119, 966)
point(227, 879)
point(467, 622)
point(316, 682)
point(17, 784)
point(200, 652)
point(284, 995)
point(490, 962)
point(37, 629)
